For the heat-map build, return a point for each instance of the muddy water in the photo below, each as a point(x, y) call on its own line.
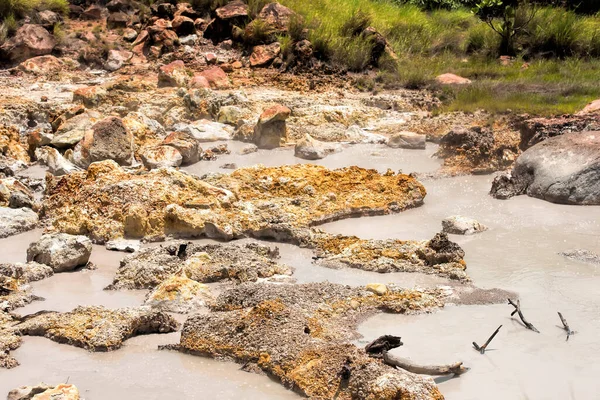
point(518, 253)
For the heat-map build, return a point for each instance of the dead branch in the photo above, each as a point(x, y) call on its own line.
point(408, 365)
point(566, 326)
point(517, 307)
point(481, 349)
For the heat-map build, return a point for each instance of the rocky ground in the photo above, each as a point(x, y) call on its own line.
point(94, 130)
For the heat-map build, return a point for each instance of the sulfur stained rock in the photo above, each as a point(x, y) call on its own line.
point(11, 146)
point(108, 139)
point(97, 328)
point(277, 202)
point(186, 144)
point(201, 263)
point(29, 272)
point(271, 131)
point(173, 74)
point(44, 392)
point(178, 294)
point(301, 335)
point(161, 157)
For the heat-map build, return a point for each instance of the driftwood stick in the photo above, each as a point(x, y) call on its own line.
point(517, 307)
point(566, 325)
point(481, 349)
point(382, 344)
point(408, 365)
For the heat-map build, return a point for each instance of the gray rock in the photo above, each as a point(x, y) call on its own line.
point(459, 225)
point(407, 140)
point(563, 169)
point(57, 164)
point(29, 272)
point(61, 251)
point(126, 245)
point(20, 199)
point(355, 134)
point(109, 139)
point(161, 157)
point(309, 148)
point(16, 220)
point(74, 129)
point(205, 131)
point(249, 149)
point(582, 255)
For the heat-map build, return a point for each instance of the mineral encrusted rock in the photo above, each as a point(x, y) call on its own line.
point(582, 255)
point(29, 272)
point(301, 335)
point(271, 130)
point(460, 225)
point(97, 328)
point(16, 220)
point(61, 251)
point(179, 294)
point(257, 201)
point(406, 140)
point(201, 263)
point(309, 148)
point(44, 392)
point(562, 169)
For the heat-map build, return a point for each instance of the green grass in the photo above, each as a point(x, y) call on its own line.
point(21, 8)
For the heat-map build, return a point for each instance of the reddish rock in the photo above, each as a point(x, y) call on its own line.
point(48, 18)
point(29, 41)
point(199, 82)
point(303, 49)
point(216, 77)
point(166, 38)
point(183, 25)
point(93, 12)
point(160, 157)
point(592, 107)
point(235, 9)
point(211, 58)
point(264, 55)
point(130, 34)
point(236, 65)
point(141, 38)
point(173, 74)
point(186, 144)
point(109, 139)
point(117, 58)
point(451, 79)
point(277, 16)
point(42, 65)
point(159, 26)
point(200, 24)
point(271, 130)
point(117, 20)
point(186, 10)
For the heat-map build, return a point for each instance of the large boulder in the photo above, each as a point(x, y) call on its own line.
point(460, 225)
point(309, 148)
point(108, 139)
point(271, 131)
point(562, 169)
point(161, 157)
point(61, 251)
point(406, 140)
point(74, 129)
point(276, 16)
point(29, 41)
point(16, 220)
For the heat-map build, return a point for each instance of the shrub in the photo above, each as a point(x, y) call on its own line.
point(21, 8)
point(256, 6)
point(353, 53)
point(357, 23)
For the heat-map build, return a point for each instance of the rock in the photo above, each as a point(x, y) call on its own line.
point(378, 288)
point(451, 79)
point(90, 96)
point(26, 273)
point(248, 149)
point(98, 328)
point(163, 9)
point(229, 166)
point(42, 65)
point(188, 40)
point(161, 157)
point(230, 115)
point(178, 294)
point(41, 391)
point(199, 82)
point(265, 54)
point(173, 74)
point(117, 58)
point(13, 193)
point(117, 20)
point(93, 12)
point(74, 129)
point(287, 334)
point(48, 18)
point(591, 108)
point(16, 220)
point(61, 251)
point(142, 37)
point(11, 146)
point(183, 25)
point(186, 144)
point(121, 5)
point(216, 77)
point(28, 41)
point(57, 164)
point(128, 246)
point(107, 140)
point(271, 131)
point(130, 35)
point(536, 130)
point(407, 140)
point(312, 149)
point(354, 134)
point(582, 255)
point(459, 225)
point(205, 131)
point(562, 169)
point(20, 200)
point(201, 263)
point(276, 16)
point(235, 9)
